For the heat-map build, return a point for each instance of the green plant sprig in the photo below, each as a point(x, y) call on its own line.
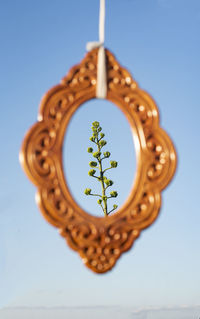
point(97, 138)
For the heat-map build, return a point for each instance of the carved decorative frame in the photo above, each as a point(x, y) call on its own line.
point(99, 241)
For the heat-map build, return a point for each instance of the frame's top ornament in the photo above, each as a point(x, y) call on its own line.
point(99, 241)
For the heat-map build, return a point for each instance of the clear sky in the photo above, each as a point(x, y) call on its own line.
point(158, 42)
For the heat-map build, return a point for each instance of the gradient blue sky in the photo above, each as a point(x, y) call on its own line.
point(158, 41)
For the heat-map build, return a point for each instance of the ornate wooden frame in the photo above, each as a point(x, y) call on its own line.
point(99, 241)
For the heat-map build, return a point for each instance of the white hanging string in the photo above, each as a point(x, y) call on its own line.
point(101, 90)
point(102, 13)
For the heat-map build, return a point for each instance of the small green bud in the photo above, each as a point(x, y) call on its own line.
point(106, 154)
point(105, 180)
point(90, 149)
point(104, 197)
point(93, 164)
point(96, 154)
point(113, 194)
point(102, 143)
point(91, 172)
point(113, 163)
point(108, 182)
point(99, 129)
point(92, 138)
point(102, 135)
point(115, 206)
point(99, 201)
point(95, 133)
point(95, 124)
point(87, 191)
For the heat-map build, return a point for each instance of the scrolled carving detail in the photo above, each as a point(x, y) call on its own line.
point(99, 241)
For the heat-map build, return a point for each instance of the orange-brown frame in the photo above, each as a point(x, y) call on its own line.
point(99, 241)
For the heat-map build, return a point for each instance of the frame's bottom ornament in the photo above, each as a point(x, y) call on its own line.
point(99, 241)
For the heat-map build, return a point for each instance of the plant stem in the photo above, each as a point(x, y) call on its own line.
point(105, 210)
point(98, 164)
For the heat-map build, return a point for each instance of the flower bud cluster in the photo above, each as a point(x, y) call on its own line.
point(96, 154)
point(97, 138)
point(106, 154)
point(90, 149)
point(87, 191)
point(93, 164)
point(113, 164)
point(91, 172)
point(113, 194)
point(108, 182)
point(95, 124)
point(92, 139)
point(102, 143)
point(96, 129)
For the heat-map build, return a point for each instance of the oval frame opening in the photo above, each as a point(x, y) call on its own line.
point(76, 159)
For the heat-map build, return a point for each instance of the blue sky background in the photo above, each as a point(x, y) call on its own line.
point(158, 41)
point(76, 158)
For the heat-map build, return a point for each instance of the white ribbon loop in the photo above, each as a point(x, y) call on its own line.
point(93, 45)
point(101, 91)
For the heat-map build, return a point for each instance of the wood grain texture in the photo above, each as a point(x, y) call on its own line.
point(99, 241)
